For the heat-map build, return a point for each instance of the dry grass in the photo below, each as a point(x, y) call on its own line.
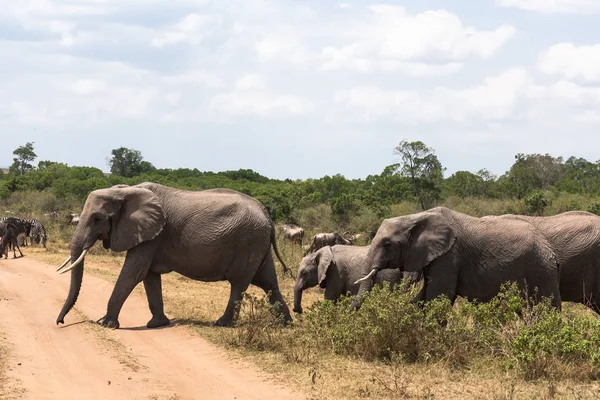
point(325, 376)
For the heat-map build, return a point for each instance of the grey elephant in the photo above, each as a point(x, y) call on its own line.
point(326, 239)
point(461, 255)
point(336, 269)
point(575, 238)
point(210, 235)
point(293, 233)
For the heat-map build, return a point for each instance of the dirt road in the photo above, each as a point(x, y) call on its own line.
point(80, 360)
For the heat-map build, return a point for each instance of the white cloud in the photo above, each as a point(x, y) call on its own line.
point(259, 104)
point(572, 62)
point(87, 87)
point(250, 81)
point(496, 97)
point(283, 46)
point(391, 35)
point(554, 6)
point(192, 29)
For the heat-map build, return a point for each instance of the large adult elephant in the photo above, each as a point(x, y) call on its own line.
point(336, 269)
point(460, 255)
point(575, 238)
point(326, 239)
point(209, 235)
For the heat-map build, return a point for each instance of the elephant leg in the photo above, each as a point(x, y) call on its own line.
point(233, 305)
point(438, 284)
point(136, 267)
point(153, 286)
point(266, 279)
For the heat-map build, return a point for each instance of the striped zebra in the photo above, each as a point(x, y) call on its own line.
point(30, 228)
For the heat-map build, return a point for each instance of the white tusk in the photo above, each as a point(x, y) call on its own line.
point(371, 274)
point(63, 264)
point(76, 263)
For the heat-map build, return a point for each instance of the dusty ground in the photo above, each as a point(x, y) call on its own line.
point(82, 361)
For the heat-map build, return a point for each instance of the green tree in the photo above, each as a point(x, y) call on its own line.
point(24, 157)
point(534, 172)
point(421, 165)
point(128, 163)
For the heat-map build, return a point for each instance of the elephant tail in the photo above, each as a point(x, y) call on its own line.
point(286, 270)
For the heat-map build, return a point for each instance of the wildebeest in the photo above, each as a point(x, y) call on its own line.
point(293, 233)
point(326, 239)
point(8, 232)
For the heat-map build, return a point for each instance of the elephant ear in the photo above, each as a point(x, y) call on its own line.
point(430, 237)
point(140, 218)
point(324, 259)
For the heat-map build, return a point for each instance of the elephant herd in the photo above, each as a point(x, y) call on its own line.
point(221, 234)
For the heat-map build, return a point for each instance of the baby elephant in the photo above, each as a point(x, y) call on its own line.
point(336, 268)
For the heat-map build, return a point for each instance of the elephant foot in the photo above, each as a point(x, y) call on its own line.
point(108, 322)
point(223, 321)
point(158, 321)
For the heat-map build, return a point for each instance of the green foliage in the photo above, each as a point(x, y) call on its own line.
point(128, 163)
point(536, 202)
point(531, 341)
point(421, 165)
point(24, 157)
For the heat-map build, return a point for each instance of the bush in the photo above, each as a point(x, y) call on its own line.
point(536, 203)
point(532, 341)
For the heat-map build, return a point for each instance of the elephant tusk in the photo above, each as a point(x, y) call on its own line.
point(63, 264)
point(371, 274)
point(76, 263)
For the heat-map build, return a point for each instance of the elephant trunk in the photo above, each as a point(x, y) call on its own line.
point(298, 300)
point(75, 287)
point(365, 286)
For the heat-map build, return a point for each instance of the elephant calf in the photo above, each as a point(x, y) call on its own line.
point(336, 268)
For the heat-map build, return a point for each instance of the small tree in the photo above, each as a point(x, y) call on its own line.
point(24, 157)
point(128, 162)
point(421, 165)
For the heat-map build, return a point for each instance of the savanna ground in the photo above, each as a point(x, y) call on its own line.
point(326, 354)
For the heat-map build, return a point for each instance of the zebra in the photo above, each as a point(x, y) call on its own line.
point(30, 228)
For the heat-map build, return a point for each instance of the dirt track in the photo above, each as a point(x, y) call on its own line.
point(79, 360)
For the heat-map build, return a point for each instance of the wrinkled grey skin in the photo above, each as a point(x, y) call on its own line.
point(293, 233)
point(575, 238)
point(209, 235)
point(335, 269)
point(326, 239)
point(460, 255)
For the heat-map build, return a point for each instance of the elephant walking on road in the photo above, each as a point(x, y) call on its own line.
point(575, 238)
point(326, 239)
point(210, 235)
point(460, 255)
point(336, 269)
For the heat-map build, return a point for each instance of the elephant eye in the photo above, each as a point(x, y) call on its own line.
point(387, 243)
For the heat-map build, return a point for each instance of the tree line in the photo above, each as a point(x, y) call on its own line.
point(418, 177)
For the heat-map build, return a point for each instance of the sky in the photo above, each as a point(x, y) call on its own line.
point(300, 89)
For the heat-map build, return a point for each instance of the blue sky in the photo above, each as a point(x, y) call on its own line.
point(299, 89)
